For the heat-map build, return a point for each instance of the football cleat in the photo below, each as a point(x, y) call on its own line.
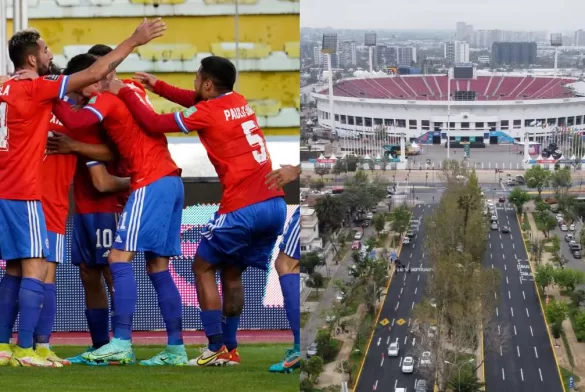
point(210, 358)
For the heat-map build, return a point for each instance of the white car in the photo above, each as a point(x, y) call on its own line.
point(358, 235)
point(432, 332)
point(340, 296)
point(369, 215)
point(400, 390)
point(393, 349)
point(494, 226)
point(405, 240)
point(425, 358)
point(408, 365)
point(572, 227)
point(494, 218)
point(559, 216)
point(564, 228)
point(329, 318)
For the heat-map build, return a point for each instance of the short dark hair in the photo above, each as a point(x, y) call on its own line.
point(79, 63)
point(23, 44)
point(99, 50)
point(220, 71)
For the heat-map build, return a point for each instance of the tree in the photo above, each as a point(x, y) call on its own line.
point(330, 211)
point(556, 311)
point(400, 219)
point(518, 197)
point(309, 261)
point(321, 170)
point(317, 184)
point(582, 238)
point(557, 329)
point(339, 167)
point(547, 223)
point(468, 382)
point(326, 347)
point(537, 178)
point(316, 281)
point(568, 279)
point(579, 326)
point(577, 297)
point(379, 221)
point(313, 367)
point(544, 276)
point(351, 162)
point(560, 180)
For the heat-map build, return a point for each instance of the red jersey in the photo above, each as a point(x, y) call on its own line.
point(236, 147)
point(147, 156)
point(56, 176)
point(89, 200)
point(25, 112)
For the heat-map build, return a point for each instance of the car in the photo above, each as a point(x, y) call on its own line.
point(564, 227)
point(365, 223)
point(494, 218)
point(433, 302)
point(393, 349)
point(408, 365)
point(494, 226)
point(369, 215)
point(432, 332)
point(410, 233)
point(400, 390)
point(569, 237)
point(312, 350)
point(577, 254)
point(374, 210)
point(559, 216)
point(358, 235)
point(425, 358)
point(420, 386)
point(356, 245)
point(405, 240)
point(505, 229)
point(340, 296)
point(502, 199)
point(572, 227)
point(573, 245)
point(329, 318)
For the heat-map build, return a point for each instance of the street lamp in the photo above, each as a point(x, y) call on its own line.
point(459, 368)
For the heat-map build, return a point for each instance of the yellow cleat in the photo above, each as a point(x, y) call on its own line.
point(5, 354)
point(27, 357)
point(49, 355)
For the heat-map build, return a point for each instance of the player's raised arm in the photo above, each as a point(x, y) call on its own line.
point(144, 33)
point(192, 119)
point(180, 96)
point(74, 120)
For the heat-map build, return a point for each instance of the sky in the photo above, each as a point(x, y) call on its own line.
point(516, 15)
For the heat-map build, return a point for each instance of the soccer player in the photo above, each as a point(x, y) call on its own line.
point(25, 110)
point(288, 269)
point(251, 216)
point(150, 223)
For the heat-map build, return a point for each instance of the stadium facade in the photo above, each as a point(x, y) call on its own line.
point(488, 109)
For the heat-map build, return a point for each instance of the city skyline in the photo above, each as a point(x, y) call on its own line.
point(423, 15)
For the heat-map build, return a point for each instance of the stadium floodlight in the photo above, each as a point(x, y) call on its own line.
point(556, 40)
point(370, 39)
point(329, 44)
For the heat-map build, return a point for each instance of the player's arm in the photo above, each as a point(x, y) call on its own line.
point(60, 143)
point(104, 181)
point(280, 177)
point(180, 96)
point(195, 118)
point(72, 119)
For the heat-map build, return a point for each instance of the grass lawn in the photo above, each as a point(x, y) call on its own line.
point(566, 374)
point(252, 375)
point(304, 318)
point(314, 296)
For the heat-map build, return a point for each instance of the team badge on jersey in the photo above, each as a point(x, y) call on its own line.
point(190, 111)
point(53, 78)
point(92, 100)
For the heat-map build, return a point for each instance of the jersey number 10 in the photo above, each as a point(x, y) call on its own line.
point(255, 140)
point(3, 126)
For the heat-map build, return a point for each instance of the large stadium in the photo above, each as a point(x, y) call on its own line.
point(484, 109)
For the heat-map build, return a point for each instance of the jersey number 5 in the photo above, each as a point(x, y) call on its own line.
point(3, 126)
point(255, 140)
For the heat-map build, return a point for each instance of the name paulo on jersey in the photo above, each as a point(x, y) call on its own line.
point(238, 113)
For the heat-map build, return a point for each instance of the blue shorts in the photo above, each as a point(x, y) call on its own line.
point(151, 221)
point(93, 236)
point(56, 247)
point(245, 237)
point(23, 232)
point(290, 244)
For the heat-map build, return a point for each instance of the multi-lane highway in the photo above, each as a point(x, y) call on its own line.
point(525, 361)
point(379, 371)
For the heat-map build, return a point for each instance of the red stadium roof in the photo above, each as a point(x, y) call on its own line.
point(434, 88)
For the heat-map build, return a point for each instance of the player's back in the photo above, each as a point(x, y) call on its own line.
point(146, 156)
point(25, 111)
point(237, 149)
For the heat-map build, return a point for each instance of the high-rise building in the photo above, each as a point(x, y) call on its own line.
point(319, 58)
point(579, 38)
point(514, 53)
point(347, 53)
point(464, 32)
point(456, 52)
point(406, 55)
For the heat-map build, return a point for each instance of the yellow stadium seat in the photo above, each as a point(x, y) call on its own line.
point(221, 2)
point(167, 52)
point(247, 50)
point(266, 108)
point(293, 49)
point(298, 103)
point(150, 2)
point(163, 106)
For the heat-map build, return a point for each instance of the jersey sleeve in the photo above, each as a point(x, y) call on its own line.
point(93, 163)
point(100, 105)
point(49, 87)
point(195, 118)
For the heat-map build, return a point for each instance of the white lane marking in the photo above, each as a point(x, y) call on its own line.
point(523, 295)
point(516, 257)
point(412, 307)
point(495, 295)
point(540, 372)
point(400, 362)
point(507, 281)
point(509, 295)
point(388, 340)
point(397, 305)
point(503, 374)
point(511, 237)
point(413, 341)
point(497, 313)
point(395, 383)
point(499, 331)
point(531, 333)
point(501, 352)
point(505, 268)
point(527, 314)
point(393, 322)
point(407, 325)
point(415, 290)
point(418, 277)
point(405, 340)
point(513, 246)
point(535, 352)
point(491, 258)
point(515, 332)
point(402, 288)
point(500, 236)
point(379, 340)
point(375, 385)
point(382, 363)
point(521, 374)
point(423, 255)
point(490, 245)
point(503, 256)
point(520, 279)
point(518, 350)
point(502, 245)
point(512, 310)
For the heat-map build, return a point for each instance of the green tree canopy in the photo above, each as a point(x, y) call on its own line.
point(537, 178)
point(518, 197)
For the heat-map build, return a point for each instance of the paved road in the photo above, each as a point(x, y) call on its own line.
point(525, 362)
point(578, 264)
point(381, 372)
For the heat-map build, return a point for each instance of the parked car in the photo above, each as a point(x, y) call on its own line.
point(564, 227)
point(365, 223)
point(369, 215)
point(569, 237)
point(312, 350)
point(393, 349)
point(494, 218)
point(408, 365)
point(358, 235)
point(577, 254)
point(420, 386)
point(425, 358)
point(356, 245)
point(410, 233)
point(501, 199)
point(573, 246)
point(572, 227)
point(494, 225)
point(405, 240)
point(505, 229)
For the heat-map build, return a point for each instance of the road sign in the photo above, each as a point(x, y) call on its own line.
point(384, 322)
point(571, 382)
point(400, 322)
